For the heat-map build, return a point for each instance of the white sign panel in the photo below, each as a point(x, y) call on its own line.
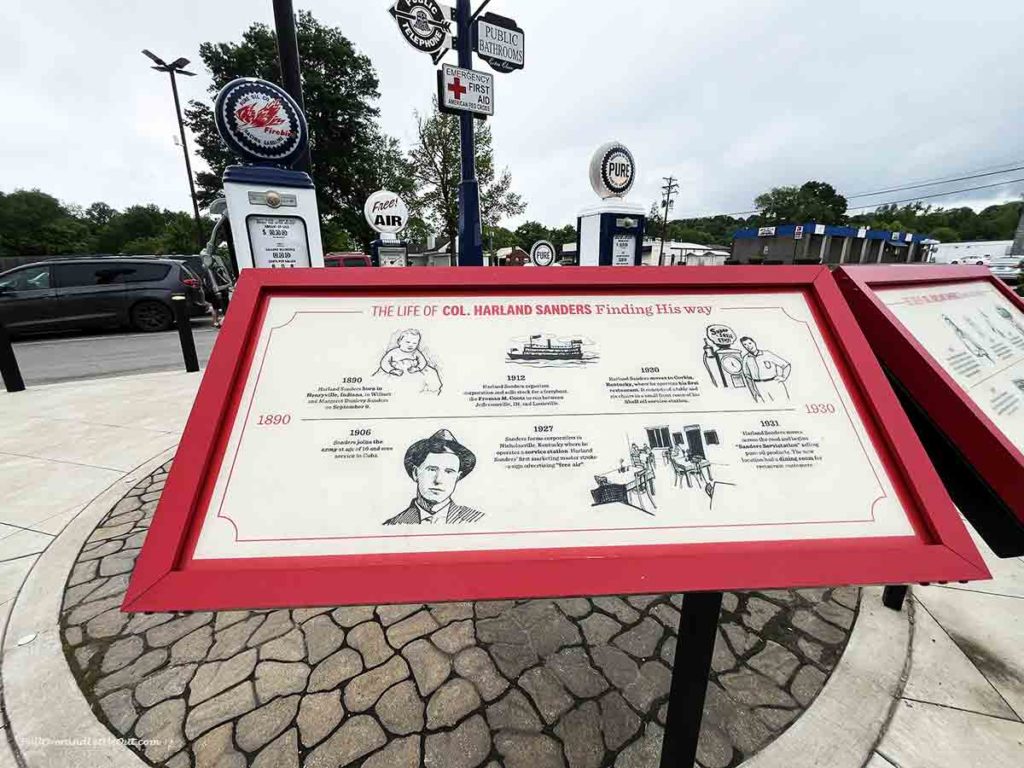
point(623, 250)
point(798, 232)
point(426, 424)
point(766, 231)
point(278, 241)
point(977, 336)
point(502, 45)
point(465, 90)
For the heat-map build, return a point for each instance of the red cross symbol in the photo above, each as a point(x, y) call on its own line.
point(457, 88)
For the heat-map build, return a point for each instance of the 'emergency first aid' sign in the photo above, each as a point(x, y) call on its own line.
point(465, 90)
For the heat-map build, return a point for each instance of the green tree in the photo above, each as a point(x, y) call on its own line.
point(563, 235)
point(33, 223)
point(351, 157)
point(814, 201)
point(945, 234)
point(529, 232)
point(496, 238)
point(435, 163)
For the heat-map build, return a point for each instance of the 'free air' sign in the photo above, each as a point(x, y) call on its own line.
point(465, 90)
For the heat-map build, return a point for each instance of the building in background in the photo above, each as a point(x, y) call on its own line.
point(681, 254)
point(970, 252)
point(826, 244)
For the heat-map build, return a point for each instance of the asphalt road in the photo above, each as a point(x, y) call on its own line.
point(53, 358)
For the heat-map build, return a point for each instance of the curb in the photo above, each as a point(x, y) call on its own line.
point(58, 728)
point(845, 722)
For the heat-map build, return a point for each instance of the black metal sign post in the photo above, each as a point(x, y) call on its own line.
point(426, 26)
point(695, 646)
point(471, 240)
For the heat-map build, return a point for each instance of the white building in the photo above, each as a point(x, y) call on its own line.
point(683, 254)
point(970, 252)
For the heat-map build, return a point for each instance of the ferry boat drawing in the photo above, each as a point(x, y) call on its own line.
point(536, 350)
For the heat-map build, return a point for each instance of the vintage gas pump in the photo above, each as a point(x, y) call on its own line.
point(612, 232)
point(388, 214)
point(272, 208)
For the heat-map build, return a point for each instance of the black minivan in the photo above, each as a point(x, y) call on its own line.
point(79, 293)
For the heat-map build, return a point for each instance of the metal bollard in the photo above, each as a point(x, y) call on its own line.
point(188, 344)
point(9, 370)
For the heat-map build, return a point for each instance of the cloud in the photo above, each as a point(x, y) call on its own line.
point(730, 96)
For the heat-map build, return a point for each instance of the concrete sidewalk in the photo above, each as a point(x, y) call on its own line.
point(63, 445)
point(941, 684)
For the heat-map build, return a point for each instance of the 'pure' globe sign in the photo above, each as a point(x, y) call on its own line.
point(612, 170)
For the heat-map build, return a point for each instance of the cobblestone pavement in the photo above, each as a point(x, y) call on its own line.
point(580, 683)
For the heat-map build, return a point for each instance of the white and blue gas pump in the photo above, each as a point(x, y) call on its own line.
point(271, 207)
point(611, 233)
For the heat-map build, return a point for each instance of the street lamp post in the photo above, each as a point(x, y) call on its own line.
point(178, 67)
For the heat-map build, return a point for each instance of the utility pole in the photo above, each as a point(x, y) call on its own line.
point(288, 56)
point(178, 67)
point(669, 189)
point(471, 252)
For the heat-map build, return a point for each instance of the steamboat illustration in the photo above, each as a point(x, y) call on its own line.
point(539, 348)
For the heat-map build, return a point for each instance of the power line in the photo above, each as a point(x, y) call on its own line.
point(897, 202)
point(938, 194)
point(935, 183)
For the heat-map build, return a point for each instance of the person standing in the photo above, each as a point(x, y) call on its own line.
point(765, 373)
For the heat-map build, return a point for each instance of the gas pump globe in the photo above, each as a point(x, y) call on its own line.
point(612, 232)
point(271, 208)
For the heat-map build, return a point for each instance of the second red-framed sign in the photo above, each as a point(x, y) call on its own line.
point(458, 434)
point(952, 338)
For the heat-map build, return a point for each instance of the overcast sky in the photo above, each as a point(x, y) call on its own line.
point(730, 96)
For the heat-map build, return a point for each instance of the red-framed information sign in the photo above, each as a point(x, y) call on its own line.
point(373, 436)
point(953, 337)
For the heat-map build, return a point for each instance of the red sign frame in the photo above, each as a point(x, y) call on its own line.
point(994, 457)
point(166, 578)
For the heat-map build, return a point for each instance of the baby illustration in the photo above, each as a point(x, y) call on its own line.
point(405, 357)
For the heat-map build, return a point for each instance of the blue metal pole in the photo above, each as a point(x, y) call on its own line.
point(471, 253)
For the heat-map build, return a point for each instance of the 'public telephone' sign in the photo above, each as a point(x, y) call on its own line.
point(465, 90)
point(386, 212)
point(425, 24)
point(498, 41)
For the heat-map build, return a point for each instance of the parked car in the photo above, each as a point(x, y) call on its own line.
point(1009, 269)
point(80, 293)
point(348, 259)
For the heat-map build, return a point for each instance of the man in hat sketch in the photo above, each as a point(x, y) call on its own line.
point(437, 464)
